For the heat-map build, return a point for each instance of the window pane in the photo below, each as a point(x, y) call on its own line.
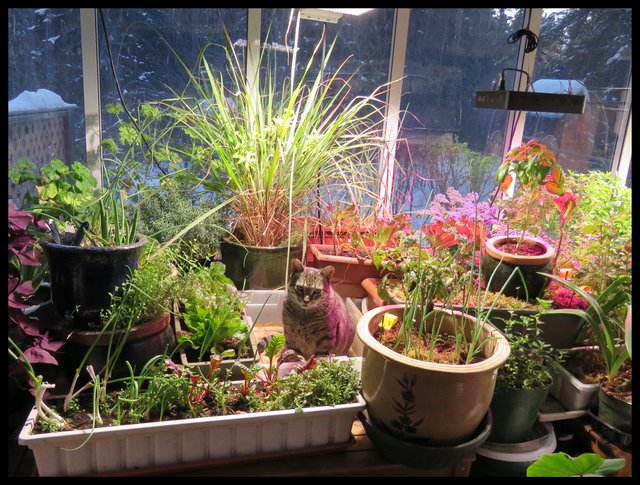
point(46, 117)
point(589, 49)
point(360, 56)
point(363, 41)
point(451, 53)
point(154, 50)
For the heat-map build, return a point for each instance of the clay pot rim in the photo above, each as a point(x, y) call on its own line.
point(334, 258)
point(151, 327)
point(500, 354)
point(48, 244)
point(492, 248)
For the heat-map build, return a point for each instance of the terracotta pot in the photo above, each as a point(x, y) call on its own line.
point(143, 342)
point(349, 272)
point(414, 399)
point(83, 278)
point(498, 265)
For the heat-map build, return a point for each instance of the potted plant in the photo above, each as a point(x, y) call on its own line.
point(538, 174)
point(210, 320)
point(136, 325)
point(169, 208)
point(93, 245)
point(606, 317)
point(349, 242)
point(523, 381)
point(168, 414)
point(598, 237)
point(429, 373)
point(272, 152)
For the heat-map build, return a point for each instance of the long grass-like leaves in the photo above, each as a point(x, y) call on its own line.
point(270, 150)
point(604, 328)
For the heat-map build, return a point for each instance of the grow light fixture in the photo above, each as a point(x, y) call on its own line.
point(550, 96)
point(331, 15)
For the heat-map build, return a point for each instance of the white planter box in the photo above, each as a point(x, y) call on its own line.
point(145, 445)
point(264, 307)
point(572, 393)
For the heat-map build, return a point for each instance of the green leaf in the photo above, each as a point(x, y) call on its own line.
point(562, 465)
point(114, 108)
point(274, 346)
point(110, 145)
point(49, 192)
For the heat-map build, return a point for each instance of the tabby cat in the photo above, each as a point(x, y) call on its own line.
point(314, 316)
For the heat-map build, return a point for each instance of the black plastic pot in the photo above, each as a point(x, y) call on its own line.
point(497, 267)
point(82, 278)
point(257, 268)
point(515, 412)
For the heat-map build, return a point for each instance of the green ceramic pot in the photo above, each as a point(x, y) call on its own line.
point(515, 413)
point(257, 268)
point(615, 412)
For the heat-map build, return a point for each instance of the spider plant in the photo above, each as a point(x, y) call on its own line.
point(273, 150)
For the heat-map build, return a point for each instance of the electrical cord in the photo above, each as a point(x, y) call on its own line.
point(532, 39)
point(121, 96)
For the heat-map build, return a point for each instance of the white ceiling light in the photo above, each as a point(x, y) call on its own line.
point(331, 15)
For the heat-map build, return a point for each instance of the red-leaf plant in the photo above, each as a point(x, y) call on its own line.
point(24, 276)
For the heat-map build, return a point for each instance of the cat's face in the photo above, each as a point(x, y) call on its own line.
point(308, 284)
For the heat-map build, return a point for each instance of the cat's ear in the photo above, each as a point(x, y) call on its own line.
point(327, 272)
point(296, 265)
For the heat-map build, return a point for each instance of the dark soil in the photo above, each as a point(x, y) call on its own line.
point(82, 418)
point(586, 365)
point(620, 386)
point(444, 351)
point(523, 250)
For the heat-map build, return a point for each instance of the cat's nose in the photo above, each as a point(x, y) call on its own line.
point(306, 298)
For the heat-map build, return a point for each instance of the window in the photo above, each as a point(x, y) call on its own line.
point(446, 141)
point(46, 116)
point(586, 50)
point(153, 51)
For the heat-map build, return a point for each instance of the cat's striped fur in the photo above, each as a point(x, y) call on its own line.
point(314, 316)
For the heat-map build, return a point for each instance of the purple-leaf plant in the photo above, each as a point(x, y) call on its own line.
point(23, 256)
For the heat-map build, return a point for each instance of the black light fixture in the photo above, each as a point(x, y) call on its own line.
point(540, 98)
point(559, 102)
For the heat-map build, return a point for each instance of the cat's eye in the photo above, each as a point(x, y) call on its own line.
point(300, 289)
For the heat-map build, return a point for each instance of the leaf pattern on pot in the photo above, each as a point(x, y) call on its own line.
point(406, 407)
